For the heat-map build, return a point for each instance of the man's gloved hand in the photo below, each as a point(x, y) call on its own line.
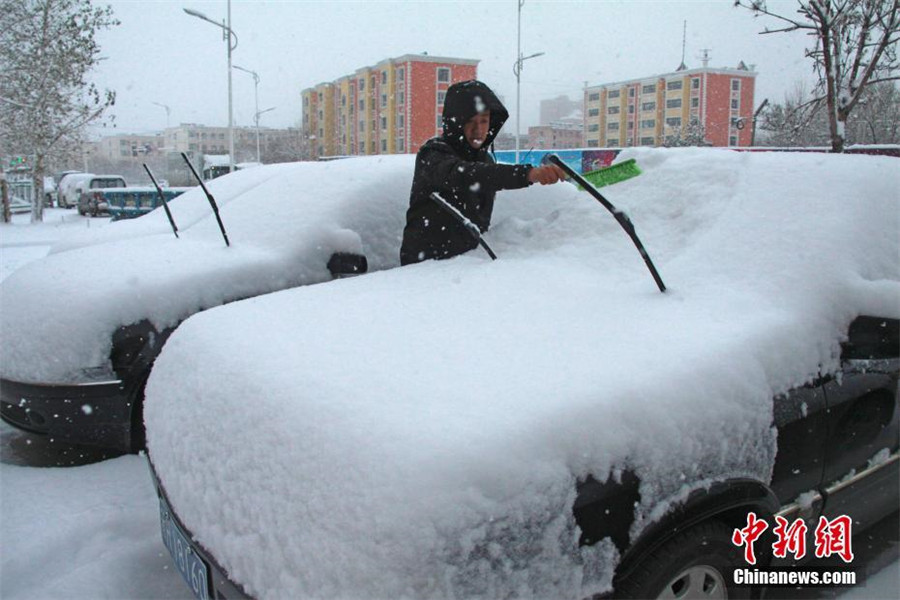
point(546, 174)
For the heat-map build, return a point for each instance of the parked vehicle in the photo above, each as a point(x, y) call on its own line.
point(132, 202)
point(91, 200)
point(80, 379)
point(66, 194)
point(549, 425)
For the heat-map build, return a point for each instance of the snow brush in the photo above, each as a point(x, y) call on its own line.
point(621, 217)
point(613, 173)
point(471, 227)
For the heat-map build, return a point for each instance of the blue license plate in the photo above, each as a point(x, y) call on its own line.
point(188, 562)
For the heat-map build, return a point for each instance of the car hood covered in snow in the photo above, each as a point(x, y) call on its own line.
point(283, 221)
point(419, 432)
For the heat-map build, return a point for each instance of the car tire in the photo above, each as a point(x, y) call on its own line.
point(697, 563)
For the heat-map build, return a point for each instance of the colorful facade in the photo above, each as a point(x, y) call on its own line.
point(659, 110)
point(390, 108)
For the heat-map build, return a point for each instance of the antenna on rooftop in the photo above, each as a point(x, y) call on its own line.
point(683, 66)
point(705, 56)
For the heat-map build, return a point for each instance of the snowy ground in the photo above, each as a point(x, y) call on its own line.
point(91, 529)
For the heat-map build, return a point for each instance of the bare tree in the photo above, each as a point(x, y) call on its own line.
point(876, 119)
point(692, 134)
point(47, 50)
point(855, 47)
point(796, 122)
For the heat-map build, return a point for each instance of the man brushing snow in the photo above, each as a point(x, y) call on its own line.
point(457, 166)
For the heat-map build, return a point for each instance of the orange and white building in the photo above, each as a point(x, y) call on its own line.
point(652, 110)
point(392, 107)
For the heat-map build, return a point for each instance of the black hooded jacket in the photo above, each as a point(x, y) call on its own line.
point(466, 177)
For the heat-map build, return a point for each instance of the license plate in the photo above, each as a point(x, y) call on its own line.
point(188, 562)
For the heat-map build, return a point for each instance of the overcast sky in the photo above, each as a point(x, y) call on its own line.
point(161, 55)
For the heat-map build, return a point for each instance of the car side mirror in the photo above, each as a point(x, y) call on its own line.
point(347, 264)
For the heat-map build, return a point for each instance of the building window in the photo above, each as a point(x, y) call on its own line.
point(733, 141)
point(648, 124)
point(612, 142)
point(613, 94)
point(594, 112)
point(631, 92)
point(673, 103)
point(593, 143)
point(647, 141)
point(649, 89)
point(614, 126)
point(673, 85)
point(400, 74)
point(362, 104)
point(443, 75)
point(613, 110)
point(362, 84)
point(735, 85)
point(631, 109)
point(362, 125)
point(384, 77)
point(735, 104)
point(630, 125)
point(646, 106)
point(594, 127)
point(695, 83)
point(673, 121)
point(400, 121)
point(384, 145)
point(695, 102)
point(402, 97)
point(440, 98)
point(384, 123)
point(440, 123)
point(383, 100)
point(400, 146)
point(362, 147)
point(595, 97)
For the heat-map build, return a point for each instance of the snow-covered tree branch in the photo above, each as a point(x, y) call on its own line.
point(47, 50)
point(855, 47)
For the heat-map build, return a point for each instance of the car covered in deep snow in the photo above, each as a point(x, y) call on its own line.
point(549, 425)
point(82, 326)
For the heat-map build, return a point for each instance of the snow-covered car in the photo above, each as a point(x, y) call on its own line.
point(82, 326)
point(549, 425)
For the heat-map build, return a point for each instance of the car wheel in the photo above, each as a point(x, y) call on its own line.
point(695, 564)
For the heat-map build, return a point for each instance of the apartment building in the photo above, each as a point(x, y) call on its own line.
point(392, 107)
point(127, 147)
point(560, 135)
point(654, 111)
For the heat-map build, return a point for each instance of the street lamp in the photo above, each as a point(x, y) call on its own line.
point(168, 111)
point(517, 69)
point(227, 33)
point(259, 112)
point(256, 97)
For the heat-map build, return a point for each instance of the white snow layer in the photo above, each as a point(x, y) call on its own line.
point(418, 432)
point(283, 222)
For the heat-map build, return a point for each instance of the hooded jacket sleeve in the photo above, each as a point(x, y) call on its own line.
point(446, 168)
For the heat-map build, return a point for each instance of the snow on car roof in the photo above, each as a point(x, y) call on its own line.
point(283, 221)
point(418, 432)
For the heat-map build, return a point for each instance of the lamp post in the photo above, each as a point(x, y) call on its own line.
point(168, 111)
point(227, 34)
point(517, 69)
point(259, 112)
point(256, 99)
